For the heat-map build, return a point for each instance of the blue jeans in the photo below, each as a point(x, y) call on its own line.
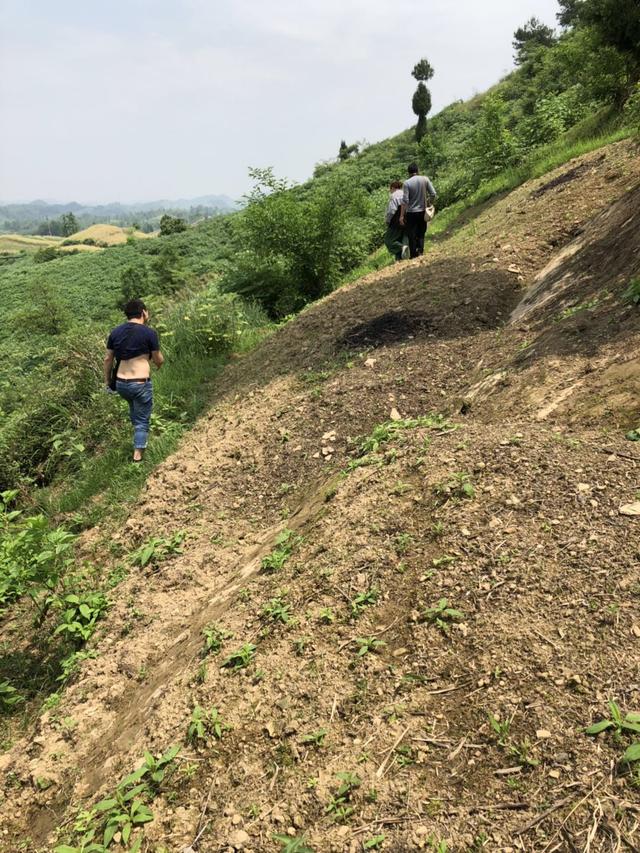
point(139, 396)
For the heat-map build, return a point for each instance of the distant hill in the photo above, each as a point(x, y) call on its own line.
point(34, 216)
point(112, 235)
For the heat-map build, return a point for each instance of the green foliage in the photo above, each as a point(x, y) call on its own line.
point(315, 738)
point(501, 729)
point(340, 805)
point(493, 146)
point(241, 658)
point(168, 270)
point(368, 644)
point(33, 556)
point(214, 638)
point(298, 244)
point(172, 225)
point(134, 281)
point(363, 600)
point(632, 753)
point(422, 71)
point(390, 431)
point(69, 224)
point(125, 811)
point(458, 486)
point(9, 696)
point(79, 615)
point(286, 542)
point(442, 615)
point(277, 610)
point(345, 151)
point(204, 724)
point(45, 313)
point(632, 109)
point(157, 549)
point(291, 844)
point(528, 38)
point(619, 724)
point(46, 254)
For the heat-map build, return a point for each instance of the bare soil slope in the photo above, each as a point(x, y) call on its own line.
point(512, 336)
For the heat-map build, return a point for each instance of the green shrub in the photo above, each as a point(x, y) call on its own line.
point(632, 110)
point(299, 242)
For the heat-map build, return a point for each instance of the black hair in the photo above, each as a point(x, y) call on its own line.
point(412, 168)
point(134, 308)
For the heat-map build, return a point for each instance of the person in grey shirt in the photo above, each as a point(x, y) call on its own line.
point(416, 193)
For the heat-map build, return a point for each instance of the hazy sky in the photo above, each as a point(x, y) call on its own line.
point(144, 99)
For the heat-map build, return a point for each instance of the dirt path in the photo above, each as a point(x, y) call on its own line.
point(513, 517)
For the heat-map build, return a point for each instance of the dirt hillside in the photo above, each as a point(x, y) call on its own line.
point(406, 506)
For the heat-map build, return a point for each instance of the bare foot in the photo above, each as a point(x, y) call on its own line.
point(138, 455)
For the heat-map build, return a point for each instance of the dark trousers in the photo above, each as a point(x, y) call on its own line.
point(393, 240)
point(416, 228)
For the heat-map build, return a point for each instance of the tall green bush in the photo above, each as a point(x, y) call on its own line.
point(295, 246)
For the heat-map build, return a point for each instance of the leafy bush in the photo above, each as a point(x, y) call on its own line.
point(33, 556)
point(298, 244)
point(632, 110)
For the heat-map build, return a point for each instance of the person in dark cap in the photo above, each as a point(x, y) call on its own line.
point(418, 192)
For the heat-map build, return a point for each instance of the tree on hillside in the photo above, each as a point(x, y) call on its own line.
point(530, 37)
point(492, 146)
point(134, 282)
point(171, 225)
point(421, 101)
point(69, 224)
point(345, 151)
point(616, 24)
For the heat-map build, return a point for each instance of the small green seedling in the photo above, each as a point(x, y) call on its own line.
point(340, 804)
point(375, 842)
point(125, 812)
point(402, 542)
point(214, 637)
point(445, 560)
point(315, 738)
point(501, 728)
point(153, 771)
point(241, 657)
point(204, 723)
point(458, 486)
point(157, 549)
point(286, 542)
point(364, 599)
point(368, 644)
point(277, 610)
point(326, 616)
point(521, 751)
point(442, 615)
point(292, 845)
point(80, 614)
point(629, 723)
point(391, 430)
point(632, 293)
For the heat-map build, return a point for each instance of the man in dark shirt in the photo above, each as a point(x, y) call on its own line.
point(134, 346)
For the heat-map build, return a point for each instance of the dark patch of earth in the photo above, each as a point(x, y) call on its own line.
point(390, 328)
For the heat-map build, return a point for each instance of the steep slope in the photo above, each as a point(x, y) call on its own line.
point(487, 377)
